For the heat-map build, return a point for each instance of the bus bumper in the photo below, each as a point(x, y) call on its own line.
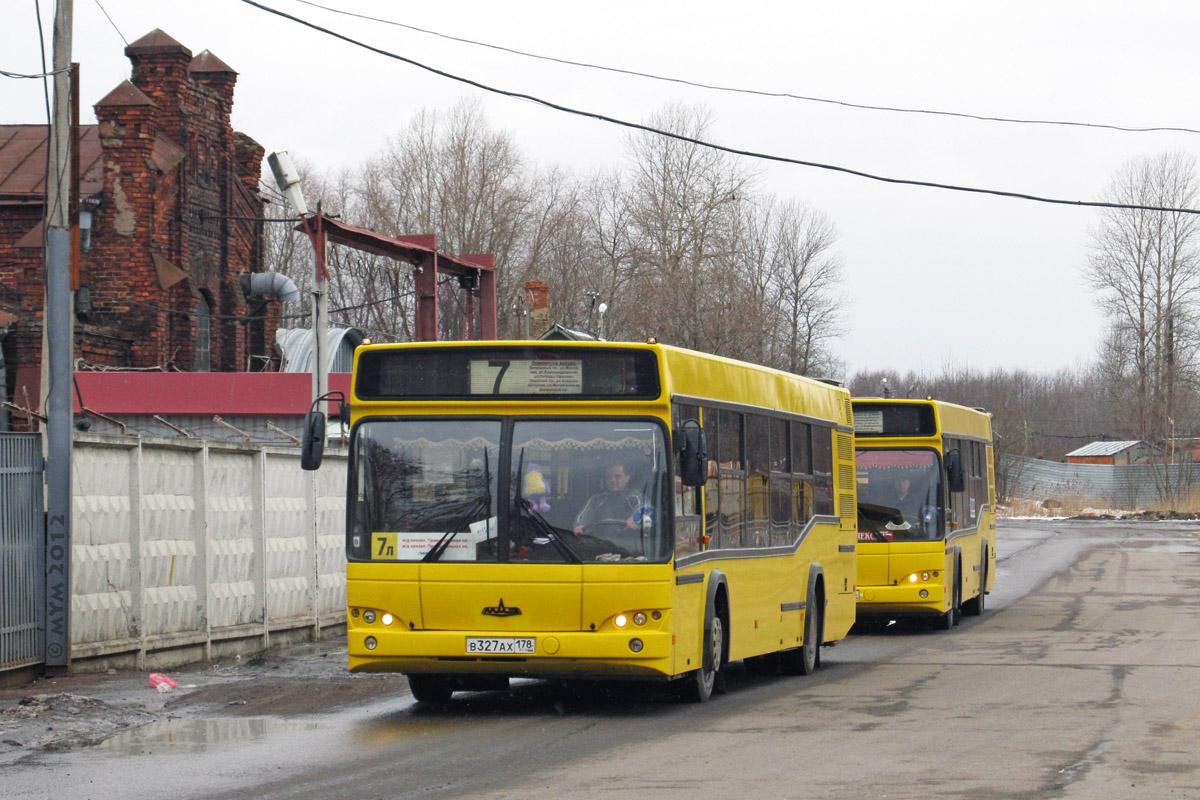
point(556, 654)
point(900, 600)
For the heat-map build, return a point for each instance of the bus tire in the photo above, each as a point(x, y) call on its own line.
point(956, 609)
point(700, 684)
point(431, 688)
point(976, 605)
point(805, 659)
point(949, 619)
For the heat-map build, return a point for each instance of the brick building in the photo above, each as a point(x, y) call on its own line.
point(170, 192)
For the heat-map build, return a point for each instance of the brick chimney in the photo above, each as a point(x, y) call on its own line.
point(537, 297)
point(120, 261)
point(160, 70)
point(213, 74)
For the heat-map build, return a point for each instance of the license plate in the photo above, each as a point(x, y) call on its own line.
point(500, 645)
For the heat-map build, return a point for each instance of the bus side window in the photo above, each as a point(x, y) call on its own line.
point(802, 479)
point(781, 483)
point(822, 459)
point(732, 484)
point(758, 490)
point(711, 508)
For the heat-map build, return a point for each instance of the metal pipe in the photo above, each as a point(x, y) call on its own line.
point(217, 419)
point(281, 431)
point(260, 284)
point(175, 428)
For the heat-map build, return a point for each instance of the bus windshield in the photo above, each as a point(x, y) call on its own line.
point(898, 493)
point(425, 489)
point(591, 489)
point(579, 491)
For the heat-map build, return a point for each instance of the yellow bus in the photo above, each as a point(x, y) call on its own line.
point(591, 510)
point(926, 509)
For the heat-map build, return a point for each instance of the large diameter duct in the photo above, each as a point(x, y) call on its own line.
point(261, 284)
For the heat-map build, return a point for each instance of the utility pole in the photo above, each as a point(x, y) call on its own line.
point(58, 353)
point(320, 311)
point(288, 181)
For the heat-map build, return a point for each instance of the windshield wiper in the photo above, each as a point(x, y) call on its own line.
point(479, 505)
point(482, 503)
point(521, 504)
point(549, 530)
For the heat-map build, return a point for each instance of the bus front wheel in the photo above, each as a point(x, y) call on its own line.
point(976, 605)
point(430, 688)
point(701, 683)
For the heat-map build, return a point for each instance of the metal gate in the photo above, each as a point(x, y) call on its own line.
point(22, 552)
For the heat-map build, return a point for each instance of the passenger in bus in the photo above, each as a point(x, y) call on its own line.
point(614, 513)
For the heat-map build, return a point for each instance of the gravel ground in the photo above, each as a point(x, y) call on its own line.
point(84, 710)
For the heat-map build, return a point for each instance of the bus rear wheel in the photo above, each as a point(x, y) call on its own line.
point(430, 688)
point(699, 685)
point(805, 659)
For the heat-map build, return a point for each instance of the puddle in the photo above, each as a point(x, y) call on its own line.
point(195, 735)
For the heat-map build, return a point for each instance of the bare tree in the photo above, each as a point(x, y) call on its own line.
point(1145, 267)
point(682, 202)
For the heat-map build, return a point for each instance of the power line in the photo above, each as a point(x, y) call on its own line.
point(110, 22)
point(712, 145)
point(8, 74)
point(740, 90)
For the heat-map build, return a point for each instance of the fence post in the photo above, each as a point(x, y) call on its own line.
point(200, 535)
point(137, 528)
point(314, 584)
point(258, 495)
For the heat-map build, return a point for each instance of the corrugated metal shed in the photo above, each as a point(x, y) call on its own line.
point(297, 346)
point(1102, 449)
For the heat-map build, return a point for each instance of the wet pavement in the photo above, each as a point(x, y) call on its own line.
point(222, 701)
point(1082, 676)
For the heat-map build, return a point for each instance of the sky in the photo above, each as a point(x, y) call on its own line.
point(933, 278)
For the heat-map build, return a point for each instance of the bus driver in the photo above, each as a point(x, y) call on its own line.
point(609, 514)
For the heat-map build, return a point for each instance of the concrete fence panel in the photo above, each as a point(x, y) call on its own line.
point(183, 545)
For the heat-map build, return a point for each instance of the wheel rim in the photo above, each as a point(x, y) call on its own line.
point(715, 642)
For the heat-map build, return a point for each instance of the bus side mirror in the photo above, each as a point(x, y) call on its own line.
point(312, 441)
point(693, 454)
point(954, 471)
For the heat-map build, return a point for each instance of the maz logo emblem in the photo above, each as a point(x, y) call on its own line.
point(501, 610)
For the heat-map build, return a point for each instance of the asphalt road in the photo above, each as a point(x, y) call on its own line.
point(1082, 680)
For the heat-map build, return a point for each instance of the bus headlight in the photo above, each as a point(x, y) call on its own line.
point(387, 619)
point(912, 578)
point(636, 645)
point(924, 594)
point(924, 576)
point(639, 618)
point(371, 643)
point(369, 616)
point(621, 621)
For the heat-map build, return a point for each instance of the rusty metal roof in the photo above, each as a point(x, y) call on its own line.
point(207, 62)
point(23, 163)
point(156, 42)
